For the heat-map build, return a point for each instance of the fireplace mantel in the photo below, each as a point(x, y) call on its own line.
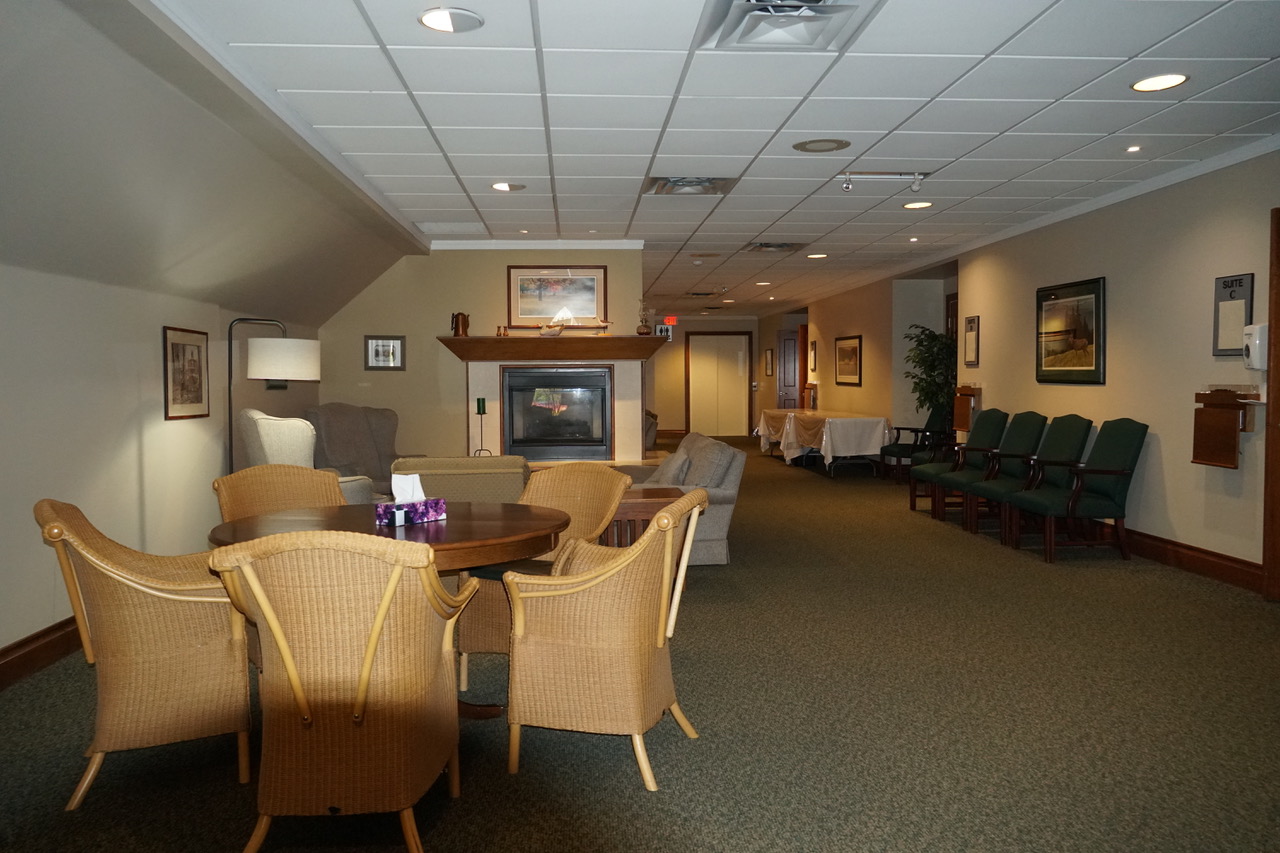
point(558, 348)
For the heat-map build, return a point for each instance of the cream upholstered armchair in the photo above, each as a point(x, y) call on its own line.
point(590, 493)
point(358, 696)
point(589, 644)
point(167, 646)
point(269, 440)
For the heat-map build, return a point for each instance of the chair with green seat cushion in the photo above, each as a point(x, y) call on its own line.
point(1063, 442)
point(922, 439)
point(988, 426)
point(1020, 439)
point(1096, 489)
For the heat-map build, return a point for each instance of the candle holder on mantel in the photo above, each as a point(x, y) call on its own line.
point(480, 410)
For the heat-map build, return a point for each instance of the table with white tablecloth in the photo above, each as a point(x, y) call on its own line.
point(836, 435)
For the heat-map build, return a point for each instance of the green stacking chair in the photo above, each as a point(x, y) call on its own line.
point(988, 426)
point(1020, 439)
point(1063, 442)
point(925, 438)
point(1096, 489)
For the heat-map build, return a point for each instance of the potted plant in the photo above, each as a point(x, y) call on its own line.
point(932, 359)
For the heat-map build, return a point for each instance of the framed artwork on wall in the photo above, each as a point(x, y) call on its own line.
point(186, 374)
point(849, 360)
point(971, 341)
point(813, 356)
point(768, 362)
point(384, 352)
point(1071, 326)
point(536, 295)
point(1232, 311)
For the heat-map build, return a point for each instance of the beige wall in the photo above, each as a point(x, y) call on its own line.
point(1160, 254)
point(866, 311)
point(668, 394)
point(416, 298)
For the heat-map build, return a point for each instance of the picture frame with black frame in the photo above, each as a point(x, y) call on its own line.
point(186, 374)
point(971, 341)
point(1071, 327)
point(384, 352)
point(849, 360)
point(1232, 311)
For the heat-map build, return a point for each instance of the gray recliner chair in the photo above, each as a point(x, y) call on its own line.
point(356, 440)
point(292, 441)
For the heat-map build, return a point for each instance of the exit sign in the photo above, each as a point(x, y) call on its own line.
point(670, 321)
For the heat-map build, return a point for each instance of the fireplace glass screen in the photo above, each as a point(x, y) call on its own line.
point(558, 413)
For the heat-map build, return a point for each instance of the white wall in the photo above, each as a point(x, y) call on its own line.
point(915, 301)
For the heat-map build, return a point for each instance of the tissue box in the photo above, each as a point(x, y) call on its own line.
point(416, 512)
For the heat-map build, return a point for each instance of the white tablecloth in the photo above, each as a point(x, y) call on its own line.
point(834, 434)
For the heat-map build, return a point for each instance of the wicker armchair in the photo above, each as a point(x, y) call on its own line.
point(168, 647)
point(589, 649)
point(359, 703)
point(272, 488)
point(590, 492)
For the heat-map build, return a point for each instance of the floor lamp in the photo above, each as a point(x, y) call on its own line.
point(276, 360)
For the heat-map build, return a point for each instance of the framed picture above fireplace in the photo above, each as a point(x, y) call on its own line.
point(536, 295)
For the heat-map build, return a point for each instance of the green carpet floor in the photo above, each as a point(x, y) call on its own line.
point(863, 679)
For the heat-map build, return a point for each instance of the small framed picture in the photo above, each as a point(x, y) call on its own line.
point(813, 356)
point(849, 360)
point(1071, 333)
point(186, 374)
point(384, 352)
point(971, 341)
point(768, 362)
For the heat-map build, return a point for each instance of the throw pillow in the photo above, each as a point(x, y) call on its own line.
point(671, 471)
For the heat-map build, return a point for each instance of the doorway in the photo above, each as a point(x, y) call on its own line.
point(718, 377)
point(788, 396)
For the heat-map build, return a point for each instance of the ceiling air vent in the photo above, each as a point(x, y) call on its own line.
point(700, 294)
point(689, 186)
point(775, 247)
point(787, 24)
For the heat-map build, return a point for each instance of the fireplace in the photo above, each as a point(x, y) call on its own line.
point(558, 412)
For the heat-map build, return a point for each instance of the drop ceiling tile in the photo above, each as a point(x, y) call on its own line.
point(881, 76)
point(614, 72)
point(380, 140)
point(574, 187)
point(743, 143)
point(748, 74)
point(1197, 117)
point(355, 109)
point(398, 187)
point(1267, 126)
point(1152, 146)
point(400, 164)
point(505, 25)
point(1078, 170)
point(654, 24)
point(795, 167)
point(280, 22)
point(600, 166)
point(521, 218)
point(730, 113)
point(1235, 29)
point(319, 68)
point(971, 169)
point(1098, 189)
point(1215, 145)
point(976, 116)
point(504, 167)
point(1202, 75)
point(936, 145)
point(593, 205)
point(1071, 27)
point(630, 141)
point(1027, 77)
point(711, 167)
point(792, 188)
point(441, 203)
point(521, 142)
point(827, 116)
point(1155, 168)
point(898, 164)
point(469, 70)
point(1032, 146)
point(1089, 116)
point(488, 199)
point(590, 111)
point(929, 27)
point(1259, 84)
point(1024, 188)
point(481, 110)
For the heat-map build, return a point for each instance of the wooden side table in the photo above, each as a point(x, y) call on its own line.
point(637, 509)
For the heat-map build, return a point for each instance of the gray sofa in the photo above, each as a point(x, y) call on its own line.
point(356, 441)
point(700, 462)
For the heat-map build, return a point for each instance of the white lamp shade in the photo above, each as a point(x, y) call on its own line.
point(284, 358)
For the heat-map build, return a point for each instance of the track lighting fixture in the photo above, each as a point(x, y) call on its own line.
point(915, 184)
point(847, 186)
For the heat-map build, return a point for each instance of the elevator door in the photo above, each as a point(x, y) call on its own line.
point(719, 382)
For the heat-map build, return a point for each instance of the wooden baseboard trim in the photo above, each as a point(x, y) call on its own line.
point(1210, 564)
point(32, 654)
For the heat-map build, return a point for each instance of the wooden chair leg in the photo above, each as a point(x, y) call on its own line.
point(1121, 539)
point(642, 758)
point(90, 773)
point(513, 747)
point(409, 827)
point(259, 834)
point(1015, 527)
point(683, 721)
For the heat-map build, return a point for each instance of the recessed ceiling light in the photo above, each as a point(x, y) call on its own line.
point(524, 230)
point(821, 146)
point(1159, 83)
point(445, 19)
point(917, 205)
point(1133, 149)
point(770, 298)
point(505, 187)
point(763, 283)
point(815, 257)
point(915, 240)
point(728, 300)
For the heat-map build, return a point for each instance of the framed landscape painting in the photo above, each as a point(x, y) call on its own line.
point(536, 296)
point(186, 374)
point(1071, 341)
point(849, 360)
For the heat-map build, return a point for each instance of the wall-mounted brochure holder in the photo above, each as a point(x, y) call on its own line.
point(1222, 415)
point(964, 404)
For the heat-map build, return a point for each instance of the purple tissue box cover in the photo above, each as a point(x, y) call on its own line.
point(417, 512)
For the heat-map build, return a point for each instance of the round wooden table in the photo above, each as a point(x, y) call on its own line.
point(471, 534)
